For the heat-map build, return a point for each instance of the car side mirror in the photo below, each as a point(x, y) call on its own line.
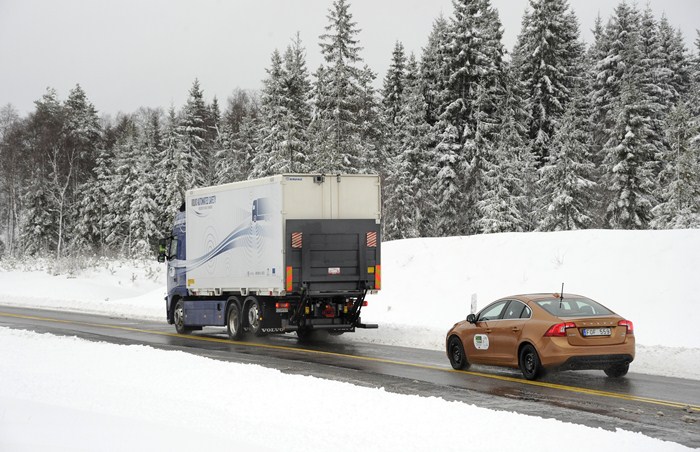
point(471, 318)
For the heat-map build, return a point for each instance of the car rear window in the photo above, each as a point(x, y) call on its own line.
point(573, 307)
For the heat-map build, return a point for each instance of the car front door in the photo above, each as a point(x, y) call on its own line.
point(506, 332)
point(478, 341)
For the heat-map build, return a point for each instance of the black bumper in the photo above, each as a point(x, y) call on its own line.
point(599, 362)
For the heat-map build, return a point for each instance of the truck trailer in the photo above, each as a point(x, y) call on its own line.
point(286, 253)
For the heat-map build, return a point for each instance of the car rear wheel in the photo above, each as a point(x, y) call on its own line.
point(529, 362)
point(455, 351)
point(617, 370)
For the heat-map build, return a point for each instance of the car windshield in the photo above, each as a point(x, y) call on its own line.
point(573, 307)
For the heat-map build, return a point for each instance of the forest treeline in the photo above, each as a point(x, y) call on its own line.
point(468, 138)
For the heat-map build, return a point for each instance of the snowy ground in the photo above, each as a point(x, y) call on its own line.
point(60, 383)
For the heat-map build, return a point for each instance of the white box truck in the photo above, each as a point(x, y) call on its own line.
point(292, 252)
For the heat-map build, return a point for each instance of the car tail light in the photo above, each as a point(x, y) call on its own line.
point(559, 330)
point(365, 303)
point(628, 324)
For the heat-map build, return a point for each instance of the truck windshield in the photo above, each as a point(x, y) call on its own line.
point(573, 307)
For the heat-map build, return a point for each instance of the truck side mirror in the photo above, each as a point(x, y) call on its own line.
point(161, 250)
point(471, 318)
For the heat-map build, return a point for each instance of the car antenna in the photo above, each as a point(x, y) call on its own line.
point(561, 295)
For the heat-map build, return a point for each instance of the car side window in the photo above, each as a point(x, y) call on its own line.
point(527, 313)
point(514, 310)
point(493, 311)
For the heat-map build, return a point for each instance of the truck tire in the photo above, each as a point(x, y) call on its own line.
point(304, 333)
point(254, 316)
point(179, 318)
point(234, 324)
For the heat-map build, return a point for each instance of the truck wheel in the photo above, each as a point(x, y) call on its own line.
point(254, 316)
point(179, 318)
point(304, 333)
point(233, 321)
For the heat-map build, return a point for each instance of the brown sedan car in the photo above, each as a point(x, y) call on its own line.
point(537, 332)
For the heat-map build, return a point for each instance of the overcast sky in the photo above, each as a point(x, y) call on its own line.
point(132, 53)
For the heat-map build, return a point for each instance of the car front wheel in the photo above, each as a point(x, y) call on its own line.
point(455, 351)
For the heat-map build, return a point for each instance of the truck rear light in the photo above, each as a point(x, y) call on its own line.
point(378, 277)
point(284, 305)
point(628, 324)
point(372, 239)
point(559, 330)
point(289, 279)
point(297, 239)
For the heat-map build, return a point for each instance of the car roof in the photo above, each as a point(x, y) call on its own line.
point(541, 296)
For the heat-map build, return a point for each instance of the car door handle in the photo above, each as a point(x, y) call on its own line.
point(515, 329)
point(488, 330)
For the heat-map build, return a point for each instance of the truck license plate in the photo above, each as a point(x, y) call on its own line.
point(333, 270)
point(597, 332)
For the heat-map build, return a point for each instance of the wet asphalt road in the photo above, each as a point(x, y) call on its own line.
point(660, 407)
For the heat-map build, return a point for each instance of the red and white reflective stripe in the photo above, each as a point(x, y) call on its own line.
point(296, 239)
point(371, 240)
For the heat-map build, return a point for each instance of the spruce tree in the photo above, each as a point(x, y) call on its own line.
point(192, 130)
point(273, 113)
point(567, 178)
point(548, 59)
point(406, 199)
point(338, 95)
point(297, 89)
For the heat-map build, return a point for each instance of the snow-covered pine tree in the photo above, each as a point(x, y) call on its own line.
point(143, 209)
point(507, 202)
point(473, 53)
point(674, 75)
point(618, 54)
point(679, 180)
point(173, 172)
point(628, 168)
point(406, 199)
point(297, 89)
point(338, 95)
point(433, 68)
point(371, 157)
point(38, 230)
point(238, 138)
point(391, 105)
point(547, 58)
point(123, 179)
point(679, 205)
point(567, 178)
point(394, 85)
point(192, 130)
point(272, 121)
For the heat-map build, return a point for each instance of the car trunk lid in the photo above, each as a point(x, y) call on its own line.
point(591, 331)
